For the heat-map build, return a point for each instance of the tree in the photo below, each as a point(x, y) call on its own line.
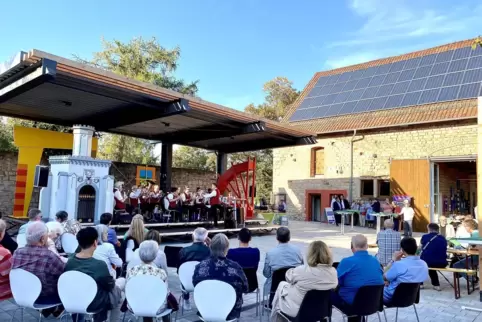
point(146, 61)
point(194, 158)
point(477, 42)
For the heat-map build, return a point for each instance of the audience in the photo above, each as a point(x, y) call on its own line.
point(388, 242)
point(33, 216)
point(405, 267)
point(433, 250)
point(108, 297)
point(5, 266)
point(472, 229)
point(136, 231)
point(283, 255)
point(55, 231)
point(106, 219)
point(9, 243)
point(105, 251)
point(71, 226)
point(198, 251)
point(244, 255)
point(148, 252)
point(218, 267)
point(317, 274)
point(361, 269)
point(446, 229)
point(160, 261)
point(37, 259)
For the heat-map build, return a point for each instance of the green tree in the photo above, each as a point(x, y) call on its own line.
point(194, 158)
point(146, 61)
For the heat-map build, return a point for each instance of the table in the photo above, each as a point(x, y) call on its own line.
point(380, 215)
point(347, 212)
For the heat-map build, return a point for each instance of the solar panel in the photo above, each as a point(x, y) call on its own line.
point(440, 77)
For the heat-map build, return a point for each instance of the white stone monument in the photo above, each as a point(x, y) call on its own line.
point(78, 183)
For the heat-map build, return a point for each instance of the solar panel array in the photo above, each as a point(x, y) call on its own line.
point(446, 76)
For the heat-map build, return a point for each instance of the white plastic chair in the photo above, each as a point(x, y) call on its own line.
point(186, 272)
point(212, 291)
point(21, 240)
point(26, 288)
point(76, 290)
point(145, 295)
point(69, 243)
point(130, 250)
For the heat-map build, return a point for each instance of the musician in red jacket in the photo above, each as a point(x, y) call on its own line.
point(214, 203)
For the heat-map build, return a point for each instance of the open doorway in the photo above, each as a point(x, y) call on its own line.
point(316, 207)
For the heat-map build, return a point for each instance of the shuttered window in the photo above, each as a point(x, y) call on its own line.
point(317, 161)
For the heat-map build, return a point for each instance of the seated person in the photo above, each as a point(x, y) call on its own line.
point(317, 274)
point(388, 241)
point(148, 250)
point(37, 259)
point(106, 219)
point(472, 229)
point(33, 216)
point(198, 251)
point(406, 267)
point(71, 226)
point(283, 255)
point(5, 266)
point(361, 269)
point(105, 251)
point(55, 231)
point(433, 250)
point(160, 261)
point(9, 243)
point(244, 255)
point(218, 267)
point(108, 297)
point(446, 229)
point(282, 206)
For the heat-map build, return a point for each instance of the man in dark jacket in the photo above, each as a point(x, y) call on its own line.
point(198, 251)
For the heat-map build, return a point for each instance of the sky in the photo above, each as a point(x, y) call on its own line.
point(234, 47)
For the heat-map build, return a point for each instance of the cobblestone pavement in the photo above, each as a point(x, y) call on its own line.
point(434, 306)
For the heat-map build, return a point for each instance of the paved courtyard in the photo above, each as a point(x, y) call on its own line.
point(434, 306)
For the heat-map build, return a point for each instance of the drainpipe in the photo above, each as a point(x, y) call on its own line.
point(353, 140)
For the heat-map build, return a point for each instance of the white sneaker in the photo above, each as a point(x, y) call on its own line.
point(187, 305)
point(437, 288)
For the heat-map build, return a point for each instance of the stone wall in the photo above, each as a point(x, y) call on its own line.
point(121, 171)
point(372, 154)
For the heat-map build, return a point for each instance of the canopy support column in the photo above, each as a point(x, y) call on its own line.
point(166, 167)
point(221, 163)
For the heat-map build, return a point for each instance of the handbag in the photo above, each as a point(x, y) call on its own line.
point(172, 302)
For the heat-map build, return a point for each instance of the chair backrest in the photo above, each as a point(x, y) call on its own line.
point(211, 291)
point(129, 255)
point(186, 271)
point(135, 260)
point(405, 295)
point(21, 240)
point(172, 255)
point(76, 291)
point(25, 286)
point(316, 306)
point(69, 243)
point(145, 295)
point(252, 278)
point(279, 275)
point(368, 300)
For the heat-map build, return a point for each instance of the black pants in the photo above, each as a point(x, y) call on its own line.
point(213, 213)
point(337, 219)
point(434, 274)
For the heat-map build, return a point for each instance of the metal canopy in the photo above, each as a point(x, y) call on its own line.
point(46, 88)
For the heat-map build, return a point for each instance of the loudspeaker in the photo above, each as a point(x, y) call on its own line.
point(41, 178)
point(251, 191)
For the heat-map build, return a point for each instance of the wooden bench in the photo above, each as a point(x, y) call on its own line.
point(456, 284)
point(372, 246)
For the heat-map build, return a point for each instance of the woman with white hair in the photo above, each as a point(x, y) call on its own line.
point(148, 252)
point(55, 231)
point(105, 251)
point(218, 267)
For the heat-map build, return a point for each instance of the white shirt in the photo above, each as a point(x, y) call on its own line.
point(333, 202)
point(407, 213)
point(118, 195)
point(212, 194)
point(106, 252)
point(134, 194)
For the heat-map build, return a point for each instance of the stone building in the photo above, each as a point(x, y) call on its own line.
point(403, 125)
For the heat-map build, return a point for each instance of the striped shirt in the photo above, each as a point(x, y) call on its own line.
point(388, 242)
point(5, 267)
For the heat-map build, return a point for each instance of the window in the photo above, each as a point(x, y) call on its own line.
point(384, 188)
point(317, 161)
point(367, 187)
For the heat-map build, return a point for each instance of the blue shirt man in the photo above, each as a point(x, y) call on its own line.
point(106, 219)
point(361, 269)
point(245, 256)
point(406, 267)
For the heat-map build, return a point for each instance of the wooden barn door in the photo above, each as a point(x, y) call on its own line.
point(412, 178)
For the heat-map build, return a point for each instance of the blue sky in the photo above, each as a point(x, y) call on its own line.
point(233, 47)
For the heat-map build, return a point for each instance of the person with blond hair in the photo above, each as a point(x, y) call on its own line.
point(137, 230)
point(317, 274)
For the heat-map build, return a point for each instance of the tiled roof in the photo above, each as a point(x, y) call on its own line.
point(429, 113)
point(383, 118)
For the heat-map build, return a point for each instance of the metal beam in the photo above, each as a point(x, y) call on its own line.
point(263, 144)
point(134, 113)
point(211, 132)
